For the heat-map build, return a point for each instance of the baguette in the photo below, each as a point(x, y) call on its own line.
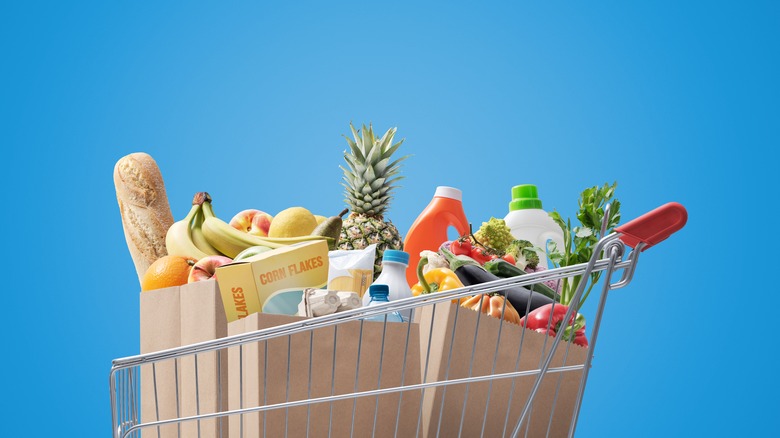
point(143, 204)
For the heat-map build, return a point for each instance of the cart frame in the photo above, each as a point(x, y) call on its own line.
point(609, 256)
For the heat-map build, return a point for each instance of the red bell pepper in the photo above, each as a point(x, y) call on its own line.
point(549, 319)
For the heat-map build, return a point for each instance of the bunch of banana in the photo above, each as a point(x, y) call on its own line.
point(186, 237)
point(231, 241)
point(198, 237)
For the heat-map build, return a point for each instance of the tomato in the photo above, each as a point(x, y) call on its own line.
point(461, 247)
point(510, 258)
point(481, 255)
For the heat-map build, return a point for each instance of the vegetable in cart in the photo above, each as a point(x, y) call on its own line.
point(493, 305)
point(549, 319)
point(504, 269)
point(471, 273)
point(580, 240)
point(435, 280)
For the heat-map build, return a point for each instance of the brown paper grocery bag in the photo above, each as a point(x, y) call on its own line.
point(203, 383)
point(235, 380)
point(278, 370)
point(160, 330)
point(492, 408)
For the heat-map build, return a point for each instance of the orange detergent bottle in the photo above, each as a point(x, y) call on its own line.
point(429, 230)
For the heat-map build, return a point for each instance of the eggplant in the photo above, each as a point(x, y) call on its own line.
point(504, 269)
point(471, 273)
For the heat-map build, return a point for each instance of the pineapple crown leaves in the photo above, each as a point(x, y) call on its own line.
point(370, 176)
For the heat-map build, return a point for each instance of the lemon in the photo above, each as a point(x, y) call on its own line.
point(320, 219)
point(292, 222)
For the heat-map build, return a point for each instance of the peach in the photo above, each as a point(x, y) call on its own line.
point(206, 268)
point(252, 221)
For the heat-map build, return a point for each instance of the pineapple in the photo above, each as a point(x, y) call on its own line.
point(369, 179)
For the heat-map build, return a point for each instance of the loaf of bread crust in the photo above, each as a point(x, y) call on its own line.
point(143, 204)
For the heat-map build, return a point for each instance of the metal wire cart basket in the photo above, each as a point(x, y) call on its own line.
point(448, 371)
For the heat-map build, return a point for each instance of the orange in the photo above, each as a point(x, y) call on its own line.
point(167, 271)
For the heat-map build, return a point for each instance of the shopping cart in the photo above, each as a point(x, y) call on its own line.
point(450, 371)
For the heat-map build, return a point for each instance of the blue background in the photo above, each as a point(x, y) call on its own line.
point(676, 102)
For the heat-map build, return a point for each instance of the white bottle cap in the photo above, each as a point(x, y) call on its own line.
point(449, 192)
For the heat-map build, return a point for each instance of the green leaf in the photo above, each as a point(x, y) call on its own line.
point(386, 140)
point(555, 257)
point(395, 165)
point(583, 231)
point(391, 150)
point(558, 219)
point(368, 173)
point(355, 146)
point(351, 143)
point(579, 241)
point(377, 183)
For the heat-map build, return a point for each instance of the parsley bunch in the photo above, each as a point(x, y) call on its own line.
point(580, 240)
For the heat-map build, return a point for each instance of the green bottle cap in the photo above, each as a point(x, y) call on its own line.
point(524, 196)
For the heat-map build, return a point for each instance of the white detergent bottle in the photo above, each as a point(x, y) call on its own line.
point(394, 265)
point(527, 221)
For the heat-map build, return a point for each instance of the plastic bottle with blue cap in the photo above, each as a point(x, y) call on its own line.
point(394, 266)
point(378, 294)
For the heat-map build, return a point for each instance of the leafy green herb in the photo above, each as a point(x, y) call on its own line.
point(580, 240)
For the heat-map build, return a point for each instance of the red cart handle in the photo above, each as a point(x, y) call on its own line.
point(655, 226)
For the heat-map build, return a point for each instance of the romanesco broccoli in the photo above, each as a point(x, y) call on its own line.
point(494, 234)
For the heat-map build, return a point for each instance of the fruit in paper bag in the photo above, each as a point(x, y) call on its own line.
point(331, 227)
point(167, 271)
point(199, 238)
point(292, 222)
point(251, 252)
point(254, 222)
point(369, 179)
point(206, 268)
point(230, 241)
point(185, 237)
